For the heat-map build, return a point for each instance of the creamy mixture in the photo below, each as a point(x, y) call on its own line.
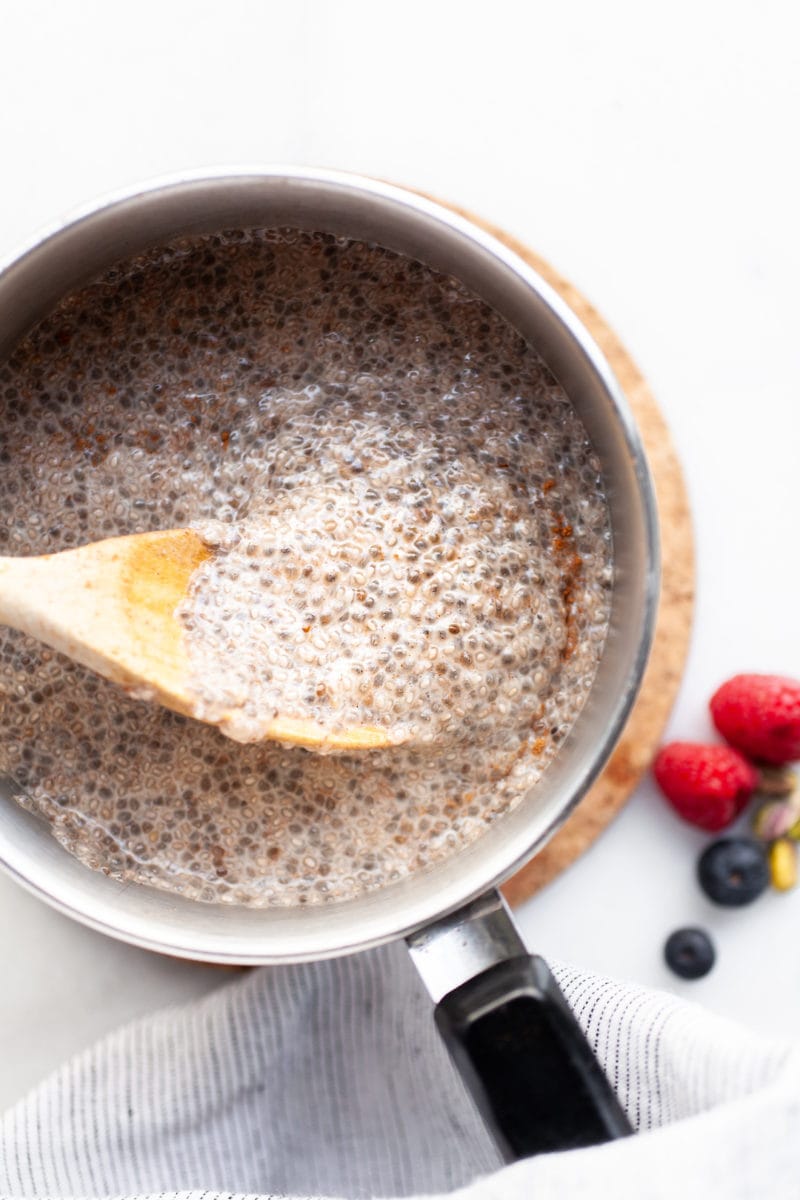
point(409, 531)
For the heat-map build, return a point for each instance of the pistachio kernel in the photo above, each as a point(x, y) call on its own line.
point(777, 782)
point(783, 864)
point(774, 820)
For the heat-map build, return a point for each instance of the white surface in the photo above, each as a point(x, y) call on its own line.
point(654, 162)
point(222, 1093)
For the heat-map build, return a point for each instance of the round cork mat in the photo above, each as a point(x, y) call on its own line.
point(642, 733)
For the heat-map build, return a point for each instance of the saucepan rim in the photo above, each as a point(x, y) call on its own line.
point(234, 934)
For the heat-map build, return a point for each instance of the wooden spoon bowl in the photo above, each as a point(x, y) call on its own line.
point(111, 606)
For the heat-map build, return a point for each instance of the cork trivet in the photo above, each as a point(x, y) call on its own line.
point(642, 733)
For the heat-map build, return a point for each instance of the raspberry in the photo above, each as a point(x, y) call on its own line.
point(706, 785)
point(760, 715)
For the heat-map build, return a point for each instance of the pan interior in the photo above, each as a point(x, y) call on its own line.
point(411, 227)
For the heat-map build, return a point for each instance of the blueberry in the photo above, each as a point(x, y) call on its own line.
point(733, 870)
point(690, 953)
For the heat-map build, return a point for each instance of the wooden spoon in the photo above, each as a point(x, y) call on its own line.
point(111, 606)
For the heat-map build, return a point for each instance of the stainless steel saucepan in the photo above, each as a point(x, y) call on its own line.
point(500, 1011)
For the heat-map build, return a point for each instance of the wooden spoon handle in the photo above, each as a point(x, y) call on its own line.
point(110, 606)
point(29, 590)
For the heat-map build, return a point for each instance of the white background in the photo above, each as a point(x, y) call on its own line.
point(652, 155)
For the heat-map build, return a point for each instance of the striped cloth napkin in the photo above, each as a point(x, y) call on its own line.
point(328, 1079)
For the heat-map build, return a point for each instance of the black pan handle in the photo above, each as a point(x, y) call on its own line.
point(526, 1061)
point(513, 1036)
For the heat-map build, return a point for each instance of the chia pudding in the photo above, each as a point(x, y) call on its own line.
point(408, 530)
